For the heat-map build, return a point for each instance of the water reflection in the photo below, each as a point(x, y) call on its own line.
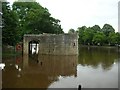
point(46, 71)
point(95, 56)
point(97, 68)
point(39, 75)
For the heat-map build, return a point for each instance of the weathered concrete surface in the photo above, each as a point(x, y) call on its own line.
point(52, 44)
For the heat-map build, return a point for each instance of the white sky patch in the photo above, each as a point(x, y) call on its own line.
point(77, 13)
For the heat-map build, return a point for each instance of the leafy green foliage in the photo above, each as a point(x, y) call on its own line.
point(9, 31)
point(97, 36)
point(26, 18)
point(88, 36)
point(96, 28)
point(118, 38)
point(112, 38)
point(80, 32)
point(35, 19)
point(107, 29)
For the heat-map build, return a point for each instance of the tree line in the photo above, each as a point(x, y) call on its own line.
point(26, 18)
point(97, 36)
point(31, 18)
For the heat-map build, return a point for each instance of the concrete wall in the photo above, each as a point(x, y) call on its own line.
point(52, 44)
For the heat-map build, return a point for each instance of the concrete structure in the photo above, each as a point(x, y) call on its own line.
point(52, 44)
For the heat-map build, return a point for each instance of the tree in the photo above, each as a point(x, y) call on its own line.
point(9, 30)
point(26, 18)
point(35, 19)
point(118, 38)
point(112, 38)
point(71, 31)
point(99, 38)
point(88, 36)
point(96, 28)
point(107, 29)
point(80, 32)
point(96, 35)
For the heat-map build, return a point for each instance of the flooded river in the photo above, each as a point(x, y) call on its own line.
point(95, 67)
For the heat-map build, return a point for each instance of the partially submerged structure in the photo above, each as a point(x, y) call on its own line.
point(53, 44)
point(50, 44)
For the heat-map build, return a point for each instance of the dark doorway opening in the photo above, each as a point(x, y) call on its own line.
point(33, 50)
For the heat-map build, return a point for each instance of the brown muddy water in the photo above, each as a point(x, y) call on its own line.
point(95, 67)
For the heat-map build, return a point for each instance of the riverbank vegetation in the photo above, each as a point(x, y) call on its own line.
point(31, 18)
point(105, 36)
point(26, 18)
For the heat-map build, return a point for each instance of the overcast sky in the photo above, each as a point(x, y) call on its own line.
point(77, 13)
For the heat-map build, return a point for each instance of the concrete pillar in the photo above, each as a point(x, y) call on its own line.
point(25, 52)
point(25, 46)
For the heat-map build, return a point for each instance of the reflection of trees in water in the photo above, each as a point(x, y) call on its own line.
point(95, 56)
point(50, 68)
point(38, 75)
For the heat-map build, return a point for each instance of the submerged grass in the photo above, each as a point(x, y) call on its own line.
point(10, 52)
